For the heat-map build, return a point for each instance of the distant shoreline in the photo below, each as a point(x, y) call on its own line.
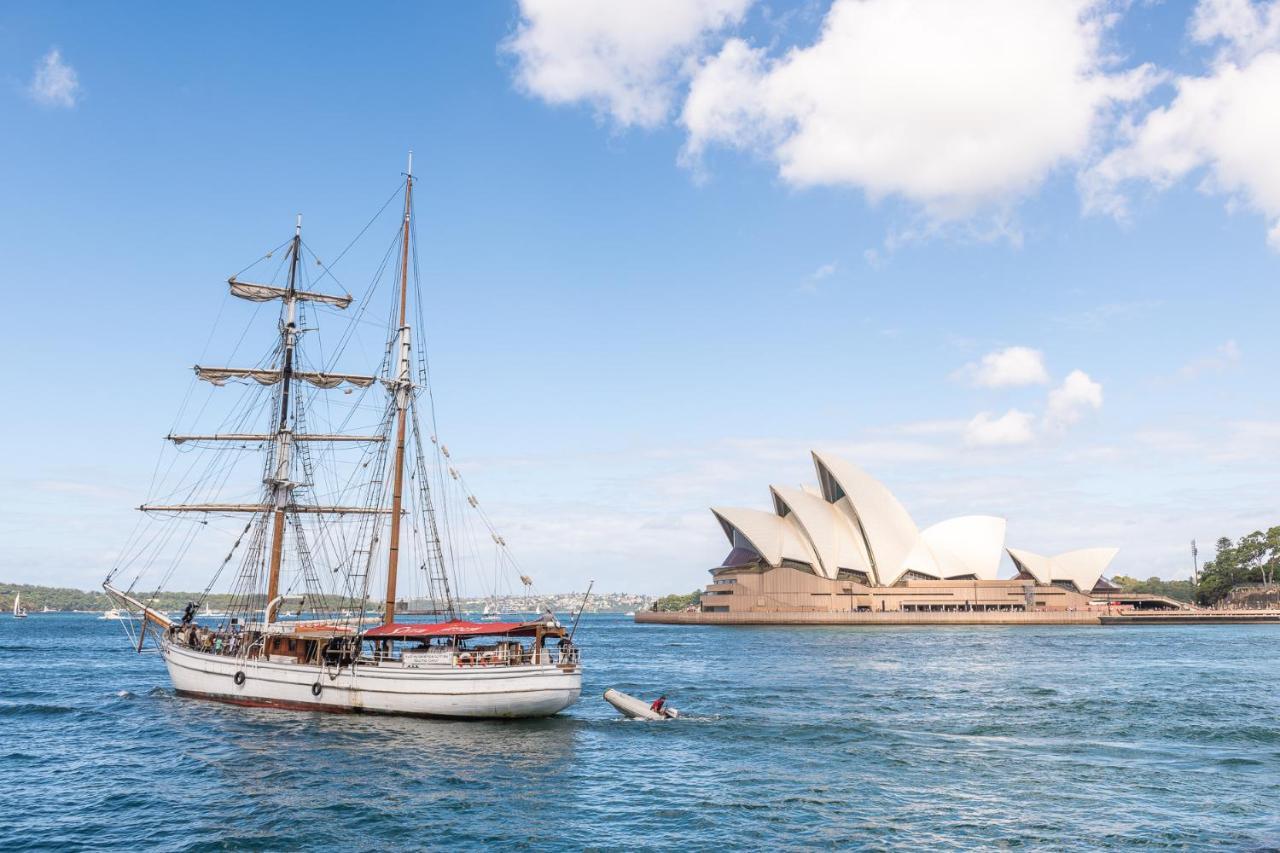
point(70, 600)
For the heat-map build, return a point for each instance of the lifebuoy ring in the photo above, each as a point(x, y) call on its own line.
point(487, 658)
point(238, 678)
point(316, 688)
point(464, 659)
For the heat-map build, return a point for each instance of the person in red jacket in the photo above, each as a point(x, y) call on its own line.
point(658, 703)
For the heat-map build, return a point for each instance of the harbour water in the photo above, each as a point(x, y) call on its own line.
point(1050, 737)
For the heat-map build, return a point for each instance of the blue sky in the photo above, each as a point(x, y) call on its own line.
point(668, 254)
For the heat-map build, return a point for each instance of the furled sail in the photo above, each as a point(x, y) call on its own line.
point(220, 375)
point(265, 293)
point(302, 508)
point(252, 437)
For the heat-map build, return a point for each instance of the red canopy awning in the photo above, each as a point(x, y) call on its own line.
point(454, 628)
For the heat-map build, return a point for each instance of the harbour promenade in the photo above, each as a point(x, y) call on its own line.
point(906, 618)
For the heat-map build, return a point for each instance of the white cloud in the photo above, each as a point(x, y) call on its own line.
point(624, 58)
point(1012, 428)
point(1225, 356)
point(1069, 401)
point(1099, 317)
point(939, 427)
point(950, 105)
point(1016, 367)
point(1171, 441)
point(1252, 442)
point(824, 271)
point(810, 284)
point(1011, 367)
point(55, 83)
point(1243, 28)
point(1224, 125)
point(79, 488)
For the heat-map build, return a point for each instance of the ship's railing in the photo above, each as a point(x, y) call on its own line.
point(239, 645)
point(482, 658)
point(226, 644)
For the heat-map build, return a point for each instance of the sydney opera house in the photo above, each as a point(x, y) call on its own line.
point(849, 545)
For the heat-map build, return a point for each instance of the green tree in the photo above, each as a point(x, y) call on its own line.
point(678, 602)
point(1179, 590)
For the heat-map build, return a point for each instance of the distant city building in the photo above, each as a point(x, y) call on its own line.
point(848, 544)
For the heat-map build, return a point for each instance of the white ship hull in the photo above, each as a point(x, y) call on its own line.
point(535, 690)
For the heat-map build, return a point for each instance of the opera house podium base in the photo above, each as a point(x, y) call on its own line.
point(897, 617)
point(937, 619)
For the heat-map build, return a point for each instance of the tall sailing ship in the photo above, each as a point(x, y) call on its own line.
point(339, 514)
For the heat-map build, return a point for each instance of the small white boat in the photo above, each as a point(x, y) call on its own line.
point(19, 612)
point(637, 709)
point(114, 614)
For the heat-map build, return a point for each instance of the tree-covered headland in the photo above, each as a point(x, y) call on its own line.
point(1251, 560)
point(67, 599)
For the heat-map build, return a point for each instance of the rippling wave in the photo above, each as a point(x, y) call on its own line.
point(1063, 738)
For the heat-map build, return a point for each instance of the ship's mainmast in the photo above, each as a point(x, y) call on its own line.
point(281, 485)
point(403, 389)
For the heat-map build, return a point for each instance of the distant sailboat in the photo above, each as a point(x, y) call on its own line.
point(19, 612)
point(114, 614)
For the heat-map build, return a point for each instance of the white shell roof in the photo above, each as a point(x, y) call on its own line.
point(919, 559)
point(1082, 568)
point(968, 545)
point(774, 538)
point(854, 522)
point(1036, 565)
point(887, 528)
point(828, 531)
point(957, 547)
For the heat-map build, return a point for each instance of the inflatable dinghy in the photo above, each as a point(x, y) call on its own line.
point(637, 709)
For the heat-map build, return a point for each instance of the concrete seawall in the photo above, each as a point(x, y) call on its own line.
point(900, 618)
point(1053, 617)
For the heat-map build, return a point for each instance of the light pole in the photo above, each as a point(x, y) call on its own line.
point(1195, 573)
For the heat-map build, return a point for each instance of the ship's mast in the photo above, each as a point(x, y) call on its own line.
point(281, 487)
point(403, 387)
